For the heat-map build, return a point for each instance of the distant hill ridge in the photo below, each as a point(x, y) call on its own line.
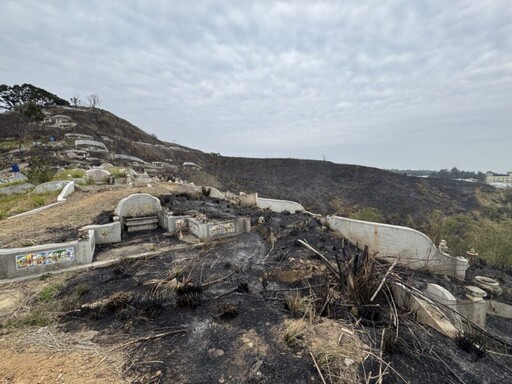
point(321, 186)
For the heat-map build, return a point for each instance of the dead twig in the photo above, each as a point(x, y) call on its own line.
point(146, 338)
point(208, 283)
point(384, 279)
point(317, 367)
point(449, 369)
point(322, 257)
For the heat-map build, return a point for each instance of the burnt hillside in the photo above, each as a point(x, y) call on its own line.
point(321, 186)
point(325, 187)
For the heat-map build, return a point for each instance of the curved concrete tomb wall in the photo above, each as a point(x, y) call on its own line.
point(50, 186)
point(16, 188)
point(68, 189)
point(412, 248)
point(137, 205)
point(279, 205)
point(91, 145)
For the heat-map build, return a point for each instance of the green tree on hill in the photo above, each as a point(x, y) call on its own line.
point(12, 97)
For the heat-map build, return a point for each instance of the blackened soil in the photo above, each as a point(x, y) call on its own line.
point(226, 322)
point(244, 348)
point(424, 356)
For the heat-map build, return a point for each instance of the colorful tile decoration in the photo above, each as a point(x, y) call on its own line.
point(45, 258)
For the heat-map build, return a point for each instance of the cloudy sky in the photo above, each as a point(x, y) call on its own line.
point(392, 84)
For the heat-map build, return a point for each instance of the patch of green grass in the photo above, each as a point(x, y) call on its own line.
point(491, 239)
point(14, 182)
point(38, 200)
point(368, 214)
point(70, 173)
point(43, 308)
point(49, 292)
point(32, 319)
point(22, 202)
point(118, 172)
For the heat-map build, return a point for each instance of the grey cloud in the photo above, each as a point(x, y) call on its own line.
point(410, 81)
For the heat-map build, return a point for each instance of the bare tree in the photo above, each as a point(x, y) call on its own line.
point(93, 100)
point(75, 100)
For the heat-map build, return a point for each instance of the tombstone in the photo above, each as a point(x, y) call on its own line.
point(98, 176)
point(440, 295)
point(138, 212)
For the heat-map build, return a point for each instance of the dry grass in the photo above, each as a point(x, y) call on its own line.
point(294, 332)
point(338, 351)
point(300, 306)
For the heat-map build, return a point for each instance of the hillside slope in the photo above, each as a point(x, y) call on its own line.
point(326, 187)
point(321, 186)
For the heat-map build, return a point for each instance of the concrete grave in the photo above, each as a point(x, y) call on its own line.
point(440, 295)
point(16, 188)
point(214, 230)
point(475, 311)
point(424, 312)
point(91, 145)
point(138, 212)
point(132, 159)
point(50, 186)
point(98, 176)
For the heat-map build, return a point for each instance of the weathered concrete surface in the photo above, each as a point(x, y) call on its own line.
point(248, 199)
point(91, 145)
point(412, 248)
point(16, 188)
point(50, 186)
point(171, 223)
point(499, 309)
point(77, 136)
point(215, 193)
point(105, 233)
point(440, 295)
point(476, 311)
point(279, 205)
point(424, 312)
point(68, 189)
point(219, 229)
point(17, 262)
point(141, 223)
point(128, 157)
point(137, 205)
point(98, 175)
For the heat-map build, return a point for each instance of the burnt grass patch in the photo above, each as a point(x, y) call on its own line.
point(215, 313)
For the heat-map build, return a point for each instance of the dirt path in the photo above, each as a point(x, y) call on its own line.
point(27, 358)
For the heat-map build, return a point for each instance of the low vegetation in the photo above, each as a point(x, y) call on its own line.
point(43, 307)
point(11, 205)
point(69, 173)
point(489, 234)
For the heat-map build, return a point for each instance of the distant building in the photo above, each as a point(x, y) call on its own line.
point(492, 178)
